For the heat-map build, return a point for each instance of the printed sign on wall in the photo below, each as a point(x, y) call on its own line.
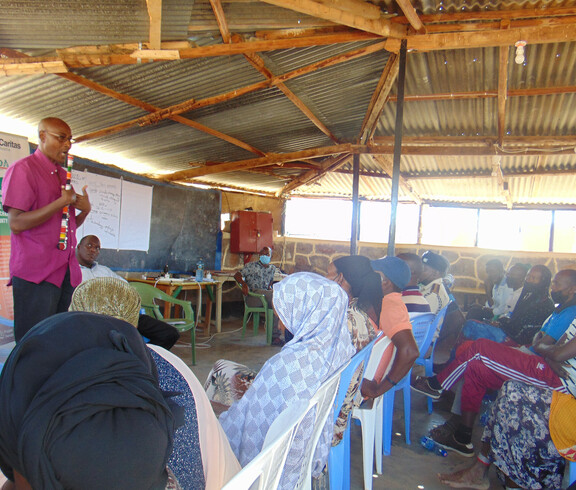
point(12, 148)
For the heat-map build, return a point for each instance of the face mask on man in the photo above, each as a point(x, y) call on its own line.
point(265, 259)
point(557, 297)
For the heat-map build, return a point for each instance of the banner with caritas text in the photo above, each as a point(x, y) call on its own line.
point(12, 148)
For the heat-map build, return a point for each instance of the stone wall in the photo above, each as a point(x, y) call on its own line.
point(467, 265)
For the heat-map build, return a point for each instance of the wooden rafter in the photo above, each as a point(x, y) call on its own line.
point(485, 39)
point(86, 56)
point(330, 164)
point(386, 165)
point(221, 20)
point(333, 13)
point(537, 172)
point(379, 97)
point(191, 104)
point(522, 92)
point(258, 63)
point(481, 15)
point(411, 15)
point(155, 14)
point(552, 142)
point(272, 158)
point(429, 150)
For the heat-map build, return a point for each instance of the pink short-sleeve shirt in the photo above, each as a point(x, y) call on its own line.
point(32, 183)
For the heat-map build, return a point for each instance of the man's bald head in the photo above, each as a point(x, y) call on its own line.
point(54, 139)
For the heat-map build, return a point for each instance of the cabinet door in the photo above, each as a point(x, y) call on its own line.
point(264, 231)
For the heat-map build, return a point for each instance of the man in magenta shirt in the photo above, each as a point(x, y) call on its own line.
point(43, 277)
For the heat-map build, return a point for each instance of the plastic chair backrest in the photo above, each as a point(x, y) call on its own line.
point(437, 325)
point(322, 401)
point(377, 351)
point(348, 372)
point(149, 294)
point(261, 297)
point(266, 467)
point(422, 331)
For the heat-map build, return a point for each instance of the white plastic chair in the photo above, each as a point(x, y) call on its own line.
point(368, 416)
point(264, 472)
point(265, 468)
point(377, 421)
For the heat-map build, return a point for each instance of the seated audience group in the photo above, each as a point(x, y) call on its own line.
point(519, 344)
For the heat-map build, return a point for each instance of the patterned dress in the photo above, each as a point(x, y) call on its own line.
point(520, 443)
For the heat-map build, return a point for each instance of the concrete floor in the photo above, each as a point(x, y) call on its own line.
point(408, 466)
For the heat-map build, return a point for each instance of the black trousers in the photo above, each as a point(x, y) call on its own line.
point(35, 302)
point(159, 332)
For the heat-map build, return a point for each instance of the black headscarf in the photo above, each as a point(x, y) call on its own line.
point(365, 283)
point(81, 407)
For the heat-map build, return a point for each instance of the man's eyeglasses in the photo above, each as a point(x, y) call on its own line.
point(61, 137)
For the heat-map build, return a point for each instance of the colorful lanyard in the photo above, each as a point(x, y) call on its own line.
point(65, 223)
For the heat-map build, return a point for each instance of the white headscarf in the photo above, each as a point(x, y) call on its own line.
point(313, 308)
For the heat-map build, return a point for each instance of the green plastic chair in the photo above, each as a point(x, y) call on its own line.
point(149, 295)
point(255, 312)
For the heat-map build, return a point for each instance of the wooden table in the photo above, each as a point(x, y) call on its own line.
point(175, 286)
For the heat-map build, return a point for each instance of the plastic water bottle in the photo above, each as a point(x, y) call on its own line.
point(200, 271)
point(431, 445)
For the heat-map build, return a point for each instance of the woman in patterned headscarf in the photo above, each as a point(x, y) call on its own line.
point(313, 309)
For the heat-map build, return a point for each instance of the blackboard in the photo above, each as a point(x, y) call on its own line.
point(184, 226)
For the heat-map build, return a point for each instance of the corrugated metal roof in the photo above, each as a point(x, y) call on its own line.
point(29, 24)
point(339, 96)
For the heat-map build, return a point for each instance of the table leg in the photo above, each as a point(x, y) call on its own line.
point(219, 306)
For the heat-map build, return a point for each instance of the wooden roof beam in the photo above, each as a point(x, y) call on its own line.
point(425, 150)
point(411, 15)
point(86, 56)
point(486, 141)
point(191, 104)
point(271, 158)
point(155, 14)
point(491, 15)
point(465, 40)
point(258, 63)
point(328, 165)
point(330, 10)
point(487, 94)
point(379, 97)
point(221, 21)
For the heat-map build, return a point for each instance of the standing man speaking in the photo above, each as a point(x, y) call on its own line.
point(43, 277)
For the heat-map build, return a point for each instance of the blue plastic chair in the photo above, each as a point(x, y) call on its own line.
point(428, 360)
point(422, 326)
point(339, 457)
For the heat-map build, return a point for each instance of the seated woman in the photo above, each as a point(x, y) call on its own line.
point(355, 275)
point(202, 457)
point(82, 409)
point(528, 434)
point(313, 309)
point(363, 286)
point(527, 317)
